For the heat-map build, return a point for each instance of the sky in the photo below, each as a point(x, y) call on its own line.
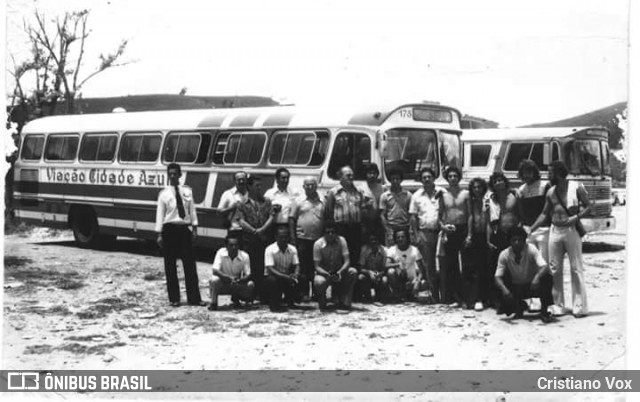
point(515, 62)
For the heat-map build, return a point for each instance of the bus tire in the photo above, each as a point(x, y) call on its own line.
point(84, 225)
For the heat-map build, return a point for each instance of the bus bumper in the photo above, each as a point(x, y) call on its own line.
point(599, 224)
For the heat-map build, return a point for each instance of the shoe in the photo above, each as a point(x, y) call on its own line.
point(546, 317)
point(175, 304)
point(278, 309)
point(557, 311)
point(212, 307)
point(236, 302)
point(478, 306)
point(199, 304)
point(342, 306)
point(454, 305)
point(579, 315)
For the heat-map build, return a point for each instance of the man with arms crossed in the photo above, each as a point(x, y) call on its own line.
point(231, 199)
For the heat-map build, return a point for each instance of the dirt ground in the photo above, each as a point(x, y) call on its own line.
point(68, 308)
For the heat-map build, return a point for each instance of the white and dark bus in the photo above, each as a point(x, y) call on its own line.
point(100, 174)
point(585, 151)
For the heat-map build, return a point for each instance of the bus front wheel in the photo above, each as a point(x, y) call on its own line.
point(84, 225)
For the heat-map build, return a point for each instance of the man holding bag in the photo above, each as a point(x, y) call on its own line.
point(562, 204)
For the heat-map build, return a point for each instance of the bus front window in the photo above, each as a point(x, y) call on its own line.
point(410, 150)
point(450, 150)
point(583, 157)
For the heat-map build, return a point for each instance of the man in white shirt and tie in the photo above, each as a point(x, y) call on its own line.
point(175, 214)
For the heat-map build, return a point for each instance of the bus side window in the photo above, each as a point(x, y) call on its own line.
point(244, 148)
point(555, 152)
point(63, 147)
point(480, 155)
point(219, 147)
point(350, 149)
point(516, 153)
point(185, 148)
point(320, 149)
point(32, 147)
point(537, 155)
point(140, 147)
point(98, 147)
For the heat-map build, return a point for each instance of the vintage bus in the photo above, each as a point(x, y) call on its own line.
point(100, 175)
point(585, 150)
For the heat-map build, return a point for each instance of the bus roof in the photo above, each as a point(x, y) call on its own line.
point(257, 117)
point(523, 134)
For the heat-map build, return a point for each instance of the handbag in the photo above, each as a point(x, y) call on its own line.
point(579, 226)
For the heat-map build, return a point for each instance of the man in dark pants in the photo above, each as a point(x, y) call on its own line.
point(522, 273)
point(454, 217)
point(344, 207)
point(176, 212)
point(282, 271)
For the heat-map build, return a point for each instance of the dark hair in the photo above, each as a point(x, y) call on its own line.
point(452, 168)
point(516, 231)
point(396, 172)
point(282, 170)
point(252, 179)
point(427, 169)
point(330, 225)
point(231, 236)
point(559, 168)
point(372, 167)
point(529, 165)
point(482, 182)
point(405, 231)
point(495, 176)
point(174, 166)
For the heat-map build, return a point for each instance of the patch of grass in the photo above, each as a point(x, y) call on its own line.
point(153, 276)
point(86, 338)
point(256, 334)
point(146, 336)
point(100, 349)
point(68, 284)
point(135, 294)
point(38, 349)
point(12, 262)
point(57, 310)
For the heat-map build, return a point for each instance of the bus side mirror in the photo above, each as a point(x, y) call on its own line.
point(545, 154)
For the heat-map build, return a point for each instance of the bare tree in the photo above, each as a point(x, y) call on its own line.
point(56, 61)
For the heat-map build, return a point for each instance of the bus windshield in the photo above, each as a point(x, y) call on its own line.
point(450, 149)
point(410, 150)
point(583, 157)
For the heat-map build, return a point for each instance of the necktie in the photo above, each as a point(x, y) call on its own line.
point(179, 202)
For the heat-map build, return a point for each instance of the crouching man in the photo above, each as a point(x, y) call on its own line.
point(405, 268)
point(231, 274)
point(332, 263)
point(522, 273)
point(282, 272)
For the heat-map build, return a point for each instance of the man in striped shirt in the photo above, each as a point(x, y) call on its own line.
point(344, 208)
point(282, 271)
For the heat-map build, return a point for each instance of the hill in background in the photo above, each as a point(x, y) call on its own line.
point(606, 117)
point(139, 103)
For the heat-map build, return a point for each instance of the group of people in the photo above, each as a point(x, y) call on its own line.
point(488, 246)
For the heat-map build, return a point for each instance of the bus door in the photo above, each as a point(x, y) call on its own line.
point(350, 148)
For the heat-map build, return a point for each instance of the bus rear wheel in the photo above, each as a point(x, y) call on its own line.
point(84, 225)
